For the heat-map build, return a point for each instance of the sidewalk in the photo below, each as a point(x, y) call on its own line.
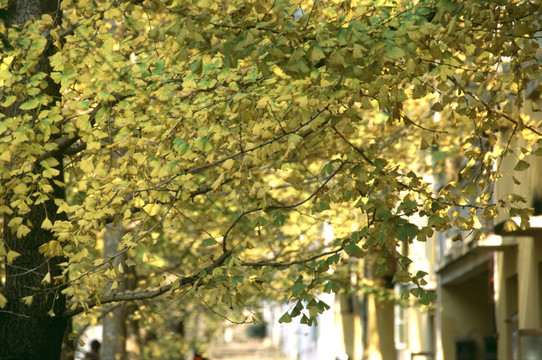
point(249, 349)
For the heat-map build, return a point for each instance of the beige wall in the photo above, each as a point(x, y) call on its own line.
point(519, 290)
point(351, 325)
point(519, 282)
point(420, 336)
point(381, 345)
point(507, 299)
point(466, 311)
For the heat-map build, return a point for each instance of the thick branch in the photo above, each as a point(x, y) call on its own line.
point(146, 294)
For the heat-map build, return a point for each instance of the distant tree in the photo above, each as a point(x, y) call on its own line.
point(221, 136)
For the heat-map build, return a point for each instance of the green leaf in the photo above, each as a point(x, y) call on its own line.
point(333, 259)
point(331, 287)
point(208, 242)
point(437, 107)
point(286, 318)
point(279, 220)
point(428, 298)
point(322, 306)
point(354, 250)
point(237, 279)
point(407, 232)
point(522, 166)
point(320, 206)
point(298, 287)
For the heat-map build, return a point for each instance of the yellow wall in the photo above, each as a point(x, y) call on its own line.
point(519, 282)
point(507, 299)
point(420, 336)
point(528, 283)
point(351, 326)
point(466, 311)
point(381, 345)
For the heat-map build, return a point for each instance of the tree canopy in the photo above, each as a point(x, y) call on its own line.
point(220, 137)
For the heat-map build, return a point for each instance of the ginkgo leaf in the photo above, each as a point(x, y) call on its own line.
point(228, 164)
point(208, 242)
point(46, 279)
point(30, 104)
point(47, 224)
point(51, 249)
point(22, 230)
point(8, 101)
point(87, 165)
point(302, 137)
point(294, 178)
point(27, 300)
point(522, 165)
point(11, 256)
point(285, 318)
point(148, 257)
point(151, 209)
point(203, 144)
point(20, 189)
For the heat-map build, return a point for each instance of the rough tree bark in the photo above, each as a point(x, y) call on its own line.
point(35, 331)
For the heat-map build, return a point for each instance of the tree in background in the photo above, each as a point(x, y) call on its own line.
point(219, 137)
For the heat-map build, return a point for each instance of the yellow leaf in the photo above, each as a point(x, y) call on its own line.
point(46, 279)
point(22, 230)
point(9, 100)
point(47, 224)
point(5, 156)
point(15, 222)
point(3, 301)
point(317, 54)
point(476, 223)
point(63, 207)
point(151, 209)
point(217, 182)
point(11, 256)
point(79, 257)
point(50, 173)
point(47, 20)
point(20, 189)
point(86, 165)
point(147, 257)
point(228, 164)
point(293, 140)
point(294, 178)
point(51, 249)
point(27, 300)
point(30, 104)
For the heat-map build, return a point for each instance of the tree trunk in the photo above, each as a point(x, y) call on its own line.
point(68, 344)
point(134, 343)
point(114, 324)
point(33, 331)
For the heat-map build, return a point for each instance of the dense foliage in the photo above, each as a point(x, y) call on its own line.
point(219, 137)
